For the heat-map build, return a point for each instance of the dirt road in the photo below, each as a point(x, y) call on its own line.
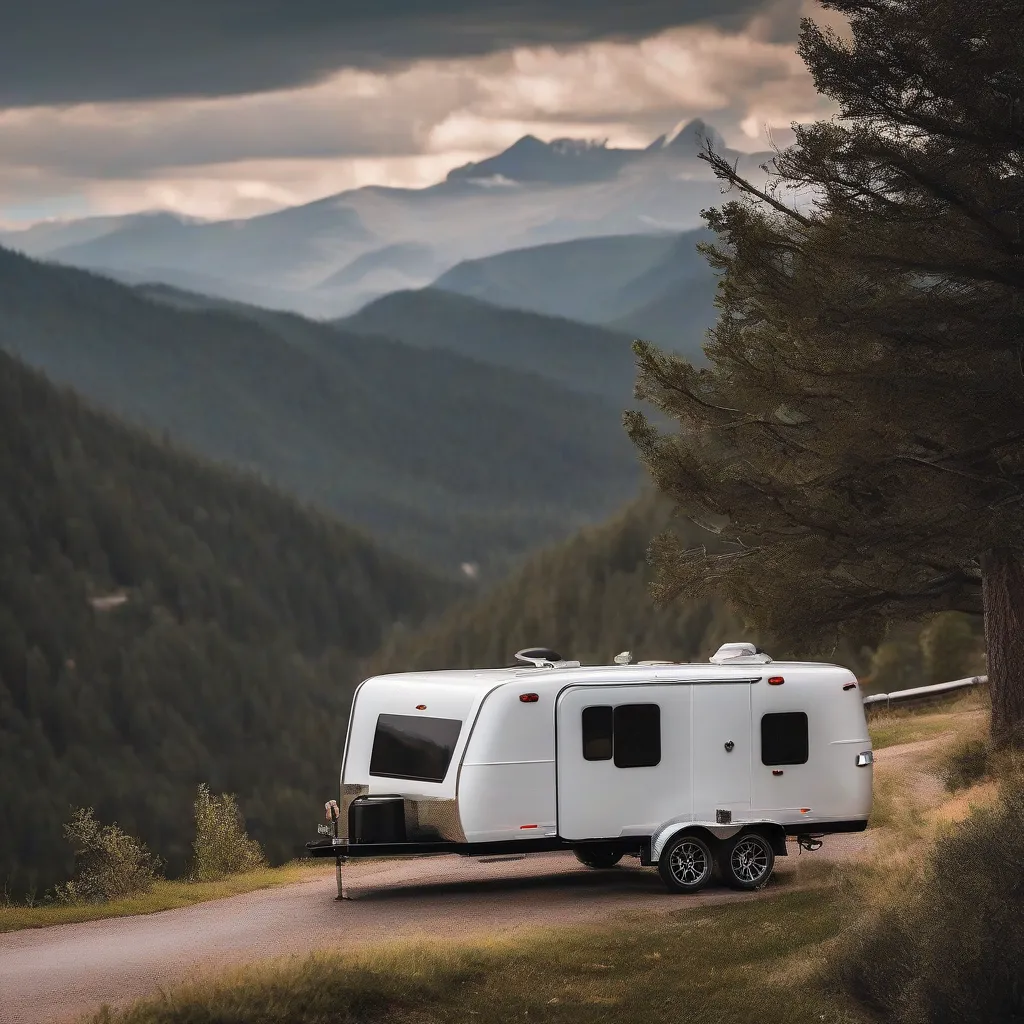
point(54, 975)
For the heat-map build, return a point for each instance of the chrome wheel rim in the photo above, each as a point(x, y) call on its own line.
point(749, 859)
point(689, 862)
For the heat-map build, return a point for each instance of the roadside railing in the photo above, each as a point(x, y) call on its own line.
point(921, 693)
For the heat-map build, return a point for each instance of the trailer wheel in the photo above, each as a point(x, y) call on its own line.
point(598, 857)
point(746, 862)
point(685, 865)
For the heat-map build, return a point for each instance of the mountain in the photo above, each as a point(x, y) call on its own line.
point(445, 457)
point(164, 622)
point(657, 287)
point(330, 257)
point(579, 356)
point(48, 236)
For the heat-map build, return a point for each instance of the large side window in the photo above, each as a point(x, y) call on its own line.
point(630, 734)
point(597, 734)
point(412, 747)
point(784, 738)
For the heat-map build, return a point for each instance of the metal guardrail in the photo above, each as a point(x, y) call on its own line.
point(922, 692)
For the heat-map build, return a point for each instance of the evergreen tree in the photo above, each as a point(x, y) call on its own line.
point(858, 438)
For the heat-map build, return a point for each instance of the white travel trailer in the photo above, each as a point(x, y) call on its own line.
point(686, 766)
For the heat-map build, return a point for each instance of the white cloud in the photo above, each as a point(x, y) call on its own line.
point(240, 155)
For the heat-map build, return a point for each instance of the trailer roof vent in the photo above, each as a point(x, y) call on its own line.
point(739, 654)
point(544, 657)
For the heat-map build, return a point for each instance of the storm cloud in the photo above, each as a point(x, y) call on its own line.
point(56, 52)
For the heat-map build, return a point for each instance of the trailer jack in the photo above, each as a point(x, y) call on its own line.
point(809, 843)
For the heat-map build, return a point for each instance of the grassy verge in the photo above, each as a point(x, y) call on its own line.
point(907, 725)
point(164, 896)
point(719, 963)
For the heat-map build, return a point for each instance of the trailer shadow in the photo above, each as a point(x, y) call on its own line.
point(617, 882)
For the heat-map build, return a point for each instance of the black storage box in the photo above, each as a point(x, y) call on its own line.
point(376, 819)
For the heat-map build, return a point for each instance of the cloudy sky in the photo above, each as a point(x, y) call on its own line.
point(222, 108)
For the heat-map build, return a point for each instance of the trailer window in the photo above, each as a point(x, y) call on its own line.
point(413, 747)
point(637, 735)
point(597, 734)
point(784, 738)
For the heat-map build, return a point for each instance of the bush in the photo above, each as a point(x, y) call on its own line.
point(221, 846)
point(109, 863)
point(966, 764)
point(951, 953)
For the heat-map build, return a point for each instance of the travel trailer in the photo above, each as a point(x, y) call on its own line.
point(688, 767)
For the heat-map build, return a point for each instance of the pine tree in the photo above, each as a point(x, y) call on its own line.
point(858, 438)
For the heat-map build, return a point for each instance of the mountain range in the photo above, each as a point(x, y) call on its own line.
point(330, 257)
point(446, 457)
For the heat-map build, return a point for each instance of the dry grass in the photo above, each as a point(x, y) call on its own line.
point(163, 896)
point(907, 725)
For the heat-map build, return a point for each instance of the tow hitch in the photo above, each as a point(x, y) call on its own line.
point(809, 843)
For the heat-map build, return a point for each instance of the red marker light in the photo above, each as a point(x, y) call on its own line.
point(777, 771)
point(529, 698)
point(527, 826)
point(421, 707)
point(775, 680)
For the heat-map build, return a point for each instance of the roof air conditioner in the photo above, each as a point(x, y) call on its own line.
point(739, 654)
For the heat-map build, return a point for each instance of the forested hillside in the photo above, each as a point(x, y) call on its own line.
point(427, 449)
point(165, 623)
point(587, 598)
point(579, 356)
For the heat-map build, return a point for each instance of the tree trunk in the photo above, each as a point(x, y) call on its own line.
point(1002, 588)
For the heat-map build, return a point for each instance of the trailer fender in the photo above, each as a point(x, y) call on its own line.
point(772, 831)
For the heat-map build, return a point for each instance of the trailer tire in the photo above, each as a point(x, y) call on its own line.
point(746, 861)
point(598, 857)
point(686, 864)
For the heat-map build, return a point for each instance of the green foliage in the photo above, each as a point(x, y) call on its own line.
point(966, 764)
point(109, 863)
point(230, 659)
point(425, 448)
point(950, 953)
point(221, 846)
point(950, 648)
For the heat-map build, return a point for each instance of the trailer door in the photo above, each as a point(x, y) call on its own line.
point(722, 749)
point(622, 759)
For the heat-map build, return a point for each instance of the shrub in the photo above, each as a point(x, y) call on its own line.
point(966, 764)
point(221, 846)
point(951, 952)
point(109, 863)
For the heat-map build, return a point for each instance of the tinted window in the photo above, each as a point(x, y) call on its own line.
point(412, 747)
point(784, 738)
point(597, 734)
point(637, 735)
